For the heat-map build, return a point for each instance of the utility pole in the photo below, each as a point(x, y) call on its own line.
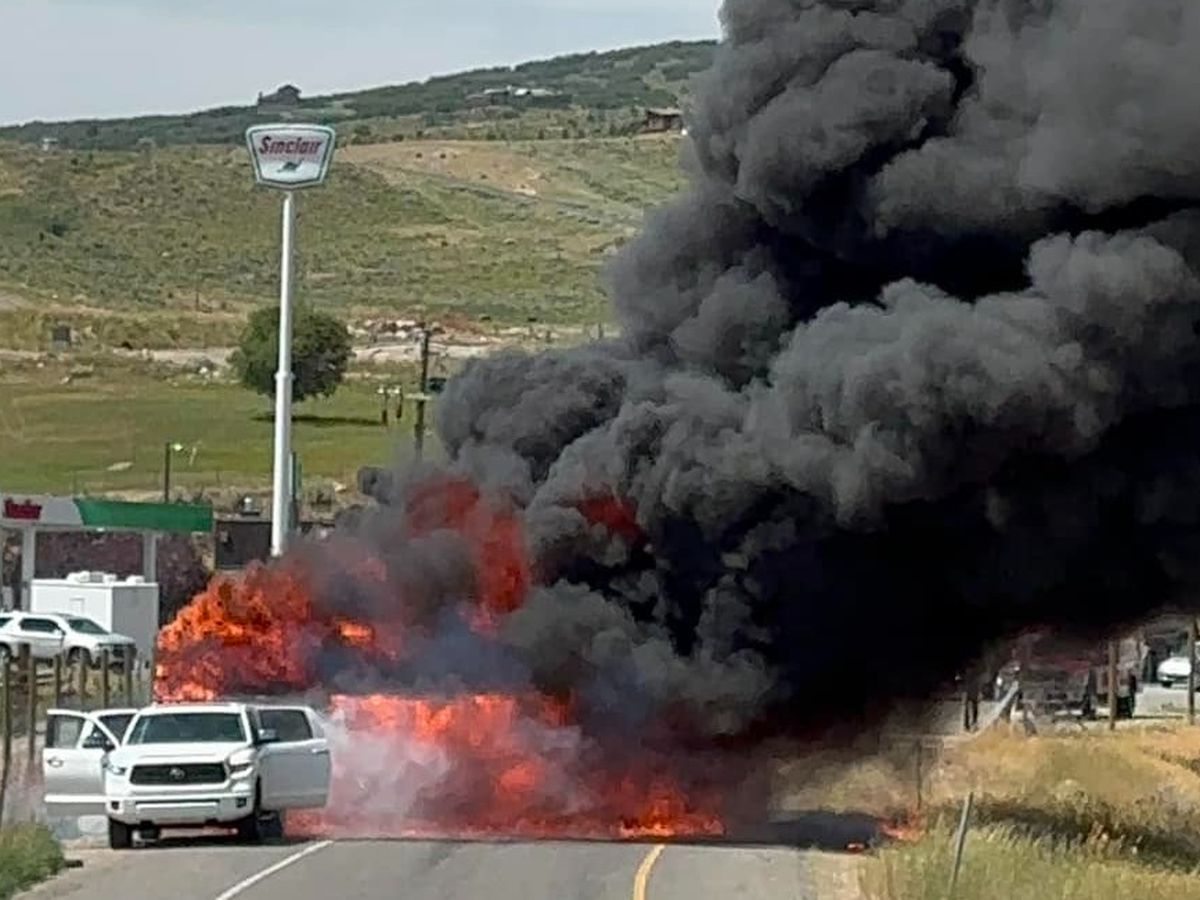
point(422, 397)
point(170, 448)
point(167, 472)
point(294, 512)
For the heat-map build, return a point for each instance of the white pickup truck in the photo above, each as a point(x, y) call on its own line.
point(186, 766)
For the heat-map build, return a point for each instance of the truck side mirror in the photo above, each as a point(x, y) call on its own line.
point(98, 741)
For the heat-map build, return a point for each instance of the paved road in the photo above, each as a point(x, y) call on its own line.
point(430, 870)
point(1155, 701)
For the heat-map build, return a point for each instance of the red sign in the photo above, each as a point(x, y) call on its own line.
point(269, 146)
point(26, 511)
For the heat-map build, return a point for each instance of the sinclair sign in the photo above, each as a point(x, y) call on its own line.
point(24, 510)
point(291, 156)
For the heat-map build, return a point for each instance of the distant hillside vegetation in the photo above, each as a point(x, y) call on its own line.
point(169, 248)
point(582, 95)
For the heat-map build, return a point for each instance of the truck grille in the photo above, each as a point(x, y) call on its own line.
point(180, 773)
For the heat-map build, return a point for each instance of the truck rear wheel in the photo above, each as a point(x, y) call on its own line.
point(120, 835)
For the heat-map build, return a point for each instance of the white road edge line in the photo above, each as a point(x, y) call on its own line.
point(243, 886)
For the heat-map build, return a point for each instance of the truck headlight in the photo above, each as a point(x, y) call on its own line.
point(241, 763)
point(113, 768)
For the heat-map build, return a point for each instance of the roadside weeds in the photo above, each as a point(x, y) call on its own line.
point(28, 854)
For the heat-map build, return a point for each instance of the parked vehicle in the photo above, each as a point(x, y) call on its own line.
point(188, 766)
point(1175, 669)
point(51, 634)
point(71, 761)
point(1056, 674)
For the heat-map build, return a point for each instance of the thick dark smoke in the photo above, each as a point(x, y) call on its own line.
point(913, 364)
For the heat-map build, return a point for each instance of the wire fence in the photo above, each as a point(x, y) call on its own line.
point(30, 687)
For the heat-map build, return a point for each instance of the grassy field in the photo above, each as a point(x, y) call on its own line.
point(1003, 864)
point(106, 432)
point(1085, 815)
point(169, 250)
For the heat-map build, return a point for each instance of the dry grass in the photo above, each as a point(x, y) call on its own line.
point(1002, 864)
point(1077, 815)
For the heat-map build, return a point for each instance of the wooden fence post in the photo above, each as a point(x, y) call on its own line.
point(58, 681)
point(960, 841)
point(105, 673)
point(80, 681)
point(31, 706)
point(130, 657)
point(6, 727)
point(920, 775)
point(1191, 682)
point(1112, 685)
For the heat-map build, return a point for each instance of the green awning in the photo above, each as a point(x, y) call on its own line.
point(167, 517)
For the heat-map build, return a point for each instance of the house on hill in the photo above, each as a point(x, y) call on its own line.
point(508, 93)
point(663, 119)
point(286, 96)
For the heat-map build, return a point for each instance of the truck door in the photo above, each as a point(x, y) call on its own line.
point(294, 760)
point(72, 777)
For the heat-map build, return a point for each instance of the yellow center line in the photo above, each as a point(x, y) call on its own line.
point(643, 872)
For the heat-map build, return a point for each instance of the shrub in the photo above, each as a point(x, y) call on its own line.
point(28, 854)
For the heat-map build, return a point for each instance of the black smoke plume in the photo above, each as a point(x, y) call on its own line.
point(912, 365)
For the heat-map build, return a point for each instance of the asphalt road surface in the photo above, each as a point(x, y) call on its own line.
point(430, 870)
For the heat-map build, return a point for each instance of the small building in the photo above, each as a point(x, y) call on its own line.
point(287, 95)
point(510, 93)
point(663, 120)
point(49, 143)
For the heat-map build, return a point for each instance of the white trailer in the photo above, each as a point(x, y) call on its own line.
point(126, 606)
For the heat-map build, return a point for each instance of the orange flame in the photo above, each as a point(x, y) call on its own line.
point(615, 514)
point(356, 634)
point(484, 764)
point(905, 832)
point(471, 764)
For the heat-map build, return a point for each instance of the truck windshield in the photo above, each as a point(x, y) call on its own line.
point(188, 728)
point(86, 626)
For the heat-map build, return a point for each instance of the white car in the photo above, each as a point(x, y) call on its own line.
point(52, 634)
point(1174, 670)
point(187, 766)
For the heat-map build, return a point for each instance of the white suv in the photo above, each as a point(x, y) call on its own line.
point(189, 766)
point(52, 634)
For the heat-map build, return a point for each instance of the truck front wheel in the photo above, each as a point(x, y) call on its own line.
point(120, 835)
point(260, 825)
point(248, 830)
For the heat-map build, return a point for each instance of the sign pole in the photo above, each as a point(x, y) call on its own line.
point(28, 565)
point(281, 496)
point(288, 156)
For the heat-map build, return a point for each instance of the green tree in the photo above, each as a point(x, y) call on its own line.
point(321, 352)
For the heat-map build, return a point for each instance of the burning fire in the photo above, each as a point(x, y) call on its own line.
point(470, 764)
point(483, 764)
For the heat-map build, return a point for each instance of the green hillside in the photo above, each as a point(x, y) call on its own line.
point(589, 94)
point(167, 247)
